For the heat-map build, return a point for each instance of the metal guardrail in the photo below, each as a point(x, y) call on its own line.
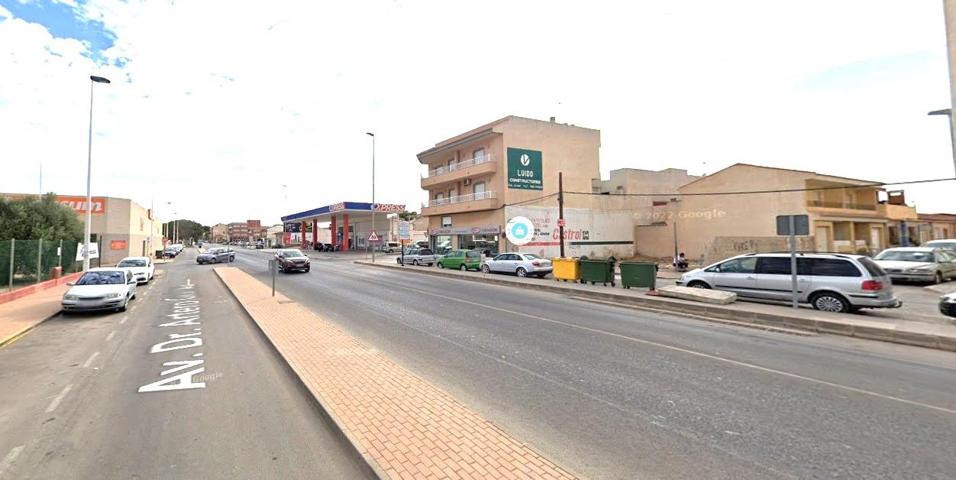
point(442, 170)
point(846, 205)
point(471, 197)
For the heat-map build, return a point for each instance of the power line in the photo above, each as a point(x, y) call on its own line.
point(789, 190)
point(532, 200)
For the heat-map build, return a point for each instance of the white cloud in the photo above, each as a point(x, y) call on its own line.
point(220, 103)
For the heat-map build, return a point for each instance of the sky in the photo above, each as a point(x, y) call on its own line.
point(222, 111)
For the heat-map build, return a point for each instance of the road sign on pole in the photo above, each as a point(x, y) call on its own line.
point(405, 231)
point(373, 237)
point(793, 225)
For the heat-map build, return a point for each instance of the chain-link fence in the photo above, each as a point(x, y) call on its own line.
point(24, 262)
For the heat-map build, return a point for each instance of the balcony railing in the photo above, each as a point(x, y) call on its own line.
point(459, 165)
point(844, 205)
point(471, 197)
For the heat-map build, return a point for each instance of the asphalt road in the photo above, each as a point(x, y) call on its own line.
point(71, 404)
point(612, 392)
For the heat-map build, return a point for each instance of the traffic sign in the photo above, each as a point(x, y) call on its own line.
point(373, 237)
point(405, 231)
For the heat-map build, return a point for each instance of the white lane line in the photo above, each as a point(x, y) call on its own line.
point(110, 336)
point(59, 398)
point(683, 350)
point(89, 361)
point(123, 320)
point(8, 460)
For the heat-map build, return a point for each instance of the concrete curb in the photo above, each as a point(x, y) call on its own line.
point(855, 328)
point(374, 470)
point(16, 336)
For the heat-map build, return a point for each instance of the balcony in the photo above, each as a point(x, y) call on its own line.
point(845, 209)
point(843, 205)
point(461, 170)
point(472, 202)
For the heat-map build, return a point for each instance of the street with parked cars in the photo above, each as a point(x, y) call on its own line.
point(105, 288)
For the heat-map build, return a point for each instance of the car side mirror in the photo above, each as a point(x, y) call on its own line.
point(131, 281)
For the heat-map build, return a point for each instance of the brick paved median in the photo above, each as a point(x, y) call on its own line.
point(404, 426)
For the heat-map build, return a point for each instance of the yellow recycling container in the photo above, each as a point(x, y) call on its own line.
point(566, 269)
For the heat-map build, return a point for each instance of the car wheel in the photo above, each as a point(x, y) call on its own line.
point(521, 272)
point(485, 269)
point(415, 263)
point(440, 265)
point(232, 259)
point(938, 278)
point(830, 302)
point(213, 260)
point(463, 268)
point(123, 307)
point(698, 284)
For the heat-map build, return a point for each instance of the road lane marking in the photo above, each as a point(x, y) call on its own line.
point(89, 361)
point(123, 320)
point(110, 336)
point(9, 459)
point(59, 398)
point(683, 350)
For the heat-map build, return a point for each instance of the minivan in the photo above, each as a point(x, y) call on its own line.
point(829, 282)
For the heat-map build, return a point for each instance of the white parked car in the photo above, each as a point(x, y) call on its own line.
point(520, 264)
point(100, 289)
point(142, 267)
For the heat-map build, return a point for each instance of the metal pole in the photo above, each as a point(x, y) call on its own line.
point(274, 268)
point(561, 210)
point(59, 254)
point(89, 196)
point(793, 262)
point(39, 260)
point(12, 245)
point(373, 193)
point(952, 139)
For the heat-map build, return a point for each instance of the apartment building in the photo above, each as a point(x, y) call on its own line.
point(935, 226)
point(219, 232)
point(473, 176)
point(711, 220)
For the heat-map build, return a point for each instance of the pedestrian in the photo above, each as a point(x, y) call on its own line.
point(680, 261)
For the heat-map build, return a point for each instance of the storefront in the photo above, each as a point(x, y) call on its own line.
point(349, 224)
point(485, 238)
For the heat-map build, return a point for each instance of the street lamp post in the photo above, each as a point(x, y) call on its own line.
point(373, 190)
point(89, 170)
point(952, 134)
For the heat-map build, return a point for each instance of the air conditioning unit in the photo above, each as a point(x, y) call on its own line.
point(467, 182)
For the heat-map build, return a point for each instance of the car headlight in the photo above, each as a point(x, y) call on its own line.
point(920, 269)
point(112, 295)
point(71, 297)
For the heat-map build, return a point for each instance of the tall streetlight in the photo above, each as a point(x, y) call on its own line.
point(952, 134)
point(373, 190)
point(89, 170)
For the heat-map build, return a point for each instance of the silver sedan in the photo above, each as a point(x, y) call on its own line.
point(520, 264)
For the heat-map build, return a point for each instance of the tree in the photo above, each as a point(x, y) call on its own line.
point(187, 229)
point(407, 216)
point(32, 218)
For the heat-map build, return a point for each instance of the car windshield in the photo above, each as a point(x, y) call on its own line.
point(292, 253)
point(108, 277)
point(905, 256)
point(132, 262)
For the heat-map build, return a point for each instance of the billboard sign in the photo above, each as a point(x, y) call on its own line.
point(94, 251)
point(78, 203)
point(404, 230)
point(388, 207)
point(524, 169)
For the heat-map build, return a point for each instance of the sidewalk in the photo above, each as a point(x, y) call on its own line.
point(403, 426)
point(938, 336)
point(21, 315)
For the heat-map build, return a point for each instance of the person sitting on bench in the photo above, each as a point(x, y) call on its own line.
point(680, 262)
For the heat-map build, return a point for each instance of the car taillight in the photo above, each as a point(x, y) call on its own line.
point(872, 285)
point(536, 263)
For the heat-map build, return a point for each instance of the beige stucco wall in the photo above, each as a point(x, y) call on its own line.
point(655, 241)
point(949, 13)
point(702, 218)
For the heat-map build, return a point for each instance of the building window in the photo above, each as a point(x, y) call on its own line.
point(452, 165)
point(439, 199)
point(478, 155)
point(479, 190)
point(446, 221)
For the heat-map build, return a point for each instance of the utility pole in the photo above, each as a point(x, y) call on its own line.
point(561, 210)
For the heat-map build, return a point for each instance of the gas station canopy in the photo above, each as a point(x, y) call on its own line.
point(355, 210)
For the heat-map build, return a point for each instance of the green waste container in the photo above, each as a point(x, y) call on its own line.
point(598, 270)
point(638, 274)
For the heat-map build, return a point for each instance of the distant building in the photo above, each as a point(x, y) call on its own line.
point(936, 226)
point(220, 233)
